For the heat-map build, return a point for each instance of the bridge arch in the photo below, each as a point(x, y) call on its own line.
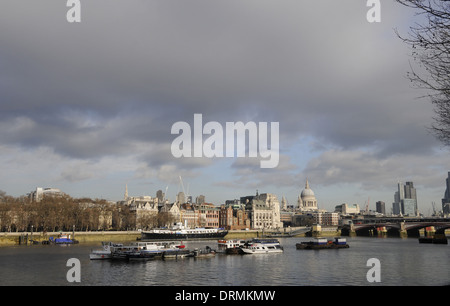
point(395, 227)
point(390, 230)
point(369, 230)
point(413, 230)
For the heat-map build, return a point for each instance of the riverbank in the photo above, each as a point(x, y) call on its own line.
point(10, 239)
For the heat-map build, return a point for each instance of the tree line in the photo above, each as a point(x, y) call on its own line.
point(64, 213)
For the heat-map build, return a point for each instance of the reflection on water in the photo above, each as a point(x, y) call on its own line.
point(403, 262)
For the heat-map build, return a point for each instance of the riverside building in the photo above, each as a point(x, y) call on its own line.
point(263, 210)
point(233, 217)
point(40, 193)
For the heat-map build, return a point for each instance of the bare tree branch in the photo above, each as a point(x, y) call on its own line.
point(430, 44)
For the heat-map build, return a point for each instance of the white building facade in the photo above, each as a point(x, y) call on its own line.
point(264, 211)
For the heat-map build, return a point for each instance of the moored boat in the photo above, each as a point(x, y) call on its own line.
point(176, 253)
point(204, 253)
point(262, 246)
point(436, 239)
point(124, 252)
point(105, 252)
point(150, 251)
point(180, 232)
point(63, 239)
point(230, 246)
point(146, 250)
point(323, 243)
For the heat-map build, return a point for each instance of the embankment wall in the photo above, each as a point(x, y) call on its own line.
point(9, 239)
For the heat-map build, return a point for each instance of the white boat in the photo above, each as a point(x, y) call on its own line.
point(145, 250)
point(183, 232)
point(262, 246)
point(232, 246)
point(105, 252)
point(159, 249)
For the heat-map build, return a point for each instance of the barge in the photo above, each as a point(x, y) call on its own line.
point(436, 239)
point(323, 243)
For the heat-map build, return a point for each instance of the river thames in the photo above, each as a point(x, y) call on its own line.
point(402, 262)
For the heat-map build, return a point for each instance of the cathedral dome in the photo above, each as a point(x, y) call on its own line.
point(307, 200)
point(307, 192)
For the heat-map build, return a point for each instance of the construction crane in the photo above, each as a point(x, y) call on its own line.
point(434, 208)
point(367, 205)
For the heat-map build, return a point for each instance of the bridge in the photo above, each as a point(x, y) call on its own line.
point(396, 226)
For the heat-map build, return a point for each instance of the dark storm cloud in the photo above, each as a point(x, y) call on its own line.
point(115, 83)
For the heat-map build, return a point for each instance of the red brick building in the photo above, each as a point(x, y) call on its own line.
point(233, 217)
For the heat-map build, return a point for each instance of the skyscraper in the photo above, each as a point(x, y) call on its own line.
point(405, 200)
point(181, 197)
point(160, 195)
point(446, 199)
point(381, 207)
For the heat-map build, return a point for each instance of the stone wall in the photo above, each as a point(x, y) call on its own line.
point(9, 239)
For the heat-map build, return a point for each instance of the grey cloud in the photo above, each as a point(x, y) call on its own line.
point(248, 173)
point(115, 83)
point(227, 58)
point(375, 173)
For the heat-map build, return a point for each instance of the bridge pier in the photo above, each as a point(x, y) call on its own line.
point(382, 234)
point(403, 232)
point(430, 231)
point(319, 231)
point(381, 231)
point(352, 231)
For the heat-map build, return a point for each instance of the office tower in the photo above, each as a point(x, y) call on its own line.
point(405, 200)
point(200, 199)
point(381, 207)
point(160, 196)
point(181, 197)
point(446, 199)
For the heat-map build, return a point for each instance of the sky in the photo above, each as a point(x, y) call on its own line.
point(88, 107)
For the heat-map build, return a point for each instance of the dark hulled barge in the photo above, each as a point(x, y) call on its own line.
point(323, 243)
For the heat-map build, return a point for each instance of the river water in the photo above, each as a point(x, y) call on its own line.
point(402, 262)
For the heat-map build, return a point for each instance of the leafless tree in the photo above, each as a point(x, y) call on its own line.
point(165, 219)
point(429, 39)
